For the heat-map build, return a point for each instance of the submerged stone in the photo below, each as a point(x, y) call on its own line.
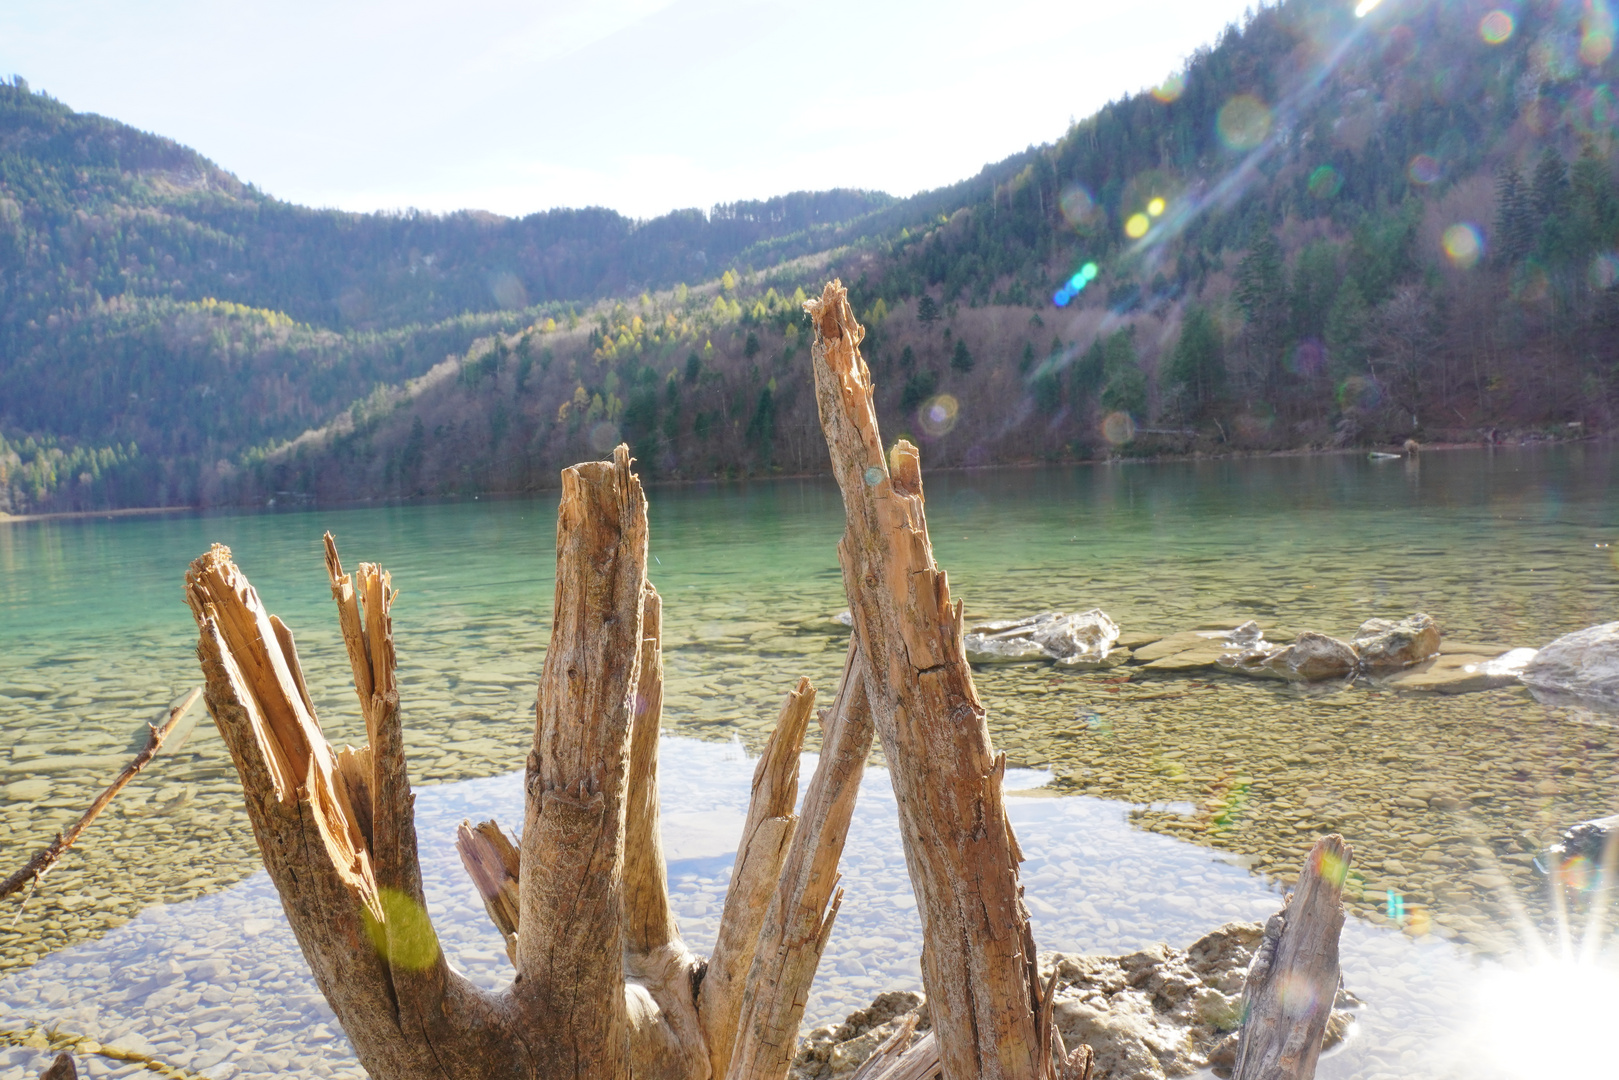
point(1586, 842)
point(1583, 664)
point(1384, 644)
point(1179, 643)
point(1460, 673)
point(1082, 639)
point(1313, 657)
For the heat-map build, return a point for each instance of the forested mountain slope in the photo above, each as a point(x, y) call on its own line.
point(1325, 230)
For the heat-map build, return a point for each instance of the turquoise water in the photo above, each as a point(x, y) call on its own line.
point(1507, 547)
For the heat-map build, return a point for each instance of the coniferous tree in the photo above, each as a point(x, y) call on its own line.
point(1316, 279)
point(1514, 219)
point(1197, 364)
point(1550, 190)
point(1126, 386)
point(1090, 369)
point(961, 360)
point(1347, 327)
point(1261, 294)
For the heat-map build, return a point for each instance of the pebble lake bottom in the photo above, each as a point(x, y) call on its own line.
point(217, 986)
point(1443, 797)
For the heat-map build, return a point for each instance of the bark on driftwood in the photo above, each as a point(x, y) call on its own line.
point(1293, 980)
point(806, 901)
point(978, 957)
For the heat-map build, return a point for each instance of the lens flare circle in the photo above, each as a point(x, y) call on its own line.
point(1170, 89)
point(1075, 285)
point(1136, 226)
point(1423, 170)
point(1324, 182)
point(1118, 428)
point(1244, 122)
point(1463, 244)
point(1593, 110)
point(1595, 47)
point(1079, 209)
point(1309, 358)
point(1156, 207)
point(603, 436)
point(939, 414)
point(1605, 270)
point(1495, 28)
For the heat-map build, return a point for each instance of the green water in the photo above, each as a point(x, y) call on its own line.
point(1505, 547)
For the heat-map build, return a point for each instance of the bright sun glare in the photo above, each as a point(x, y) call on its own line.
point(1364, 8)
point(1549, 1019)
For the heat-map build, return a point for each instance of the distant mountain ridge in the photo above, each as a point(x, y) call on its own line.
point(1325, 230)
point(149, 218)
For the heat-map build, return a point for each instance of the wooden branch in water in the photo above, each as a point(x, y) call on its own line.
point(38, 866)
point(806, 900)
point(1293, 980)
point(759, 858)
point(978, 957)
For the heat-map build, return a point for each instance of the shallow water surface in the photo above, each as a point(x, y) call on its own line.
point(217, 985)
point(1442, 798)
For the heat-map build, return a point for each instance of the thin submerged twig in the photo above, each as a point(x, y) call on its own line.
point(46, 857)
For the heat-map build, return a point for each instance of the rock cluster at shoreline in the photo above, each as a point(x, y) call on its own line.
point(1148, 1015)
point(1407, 654)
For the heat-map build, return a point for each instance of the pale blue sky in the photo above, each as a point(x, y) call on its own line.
point(640, 105)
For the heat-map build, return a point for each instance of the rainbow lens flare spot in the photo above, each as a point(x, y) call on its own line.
point(1137, 225)
point(1594, 111)
point(1076, 284)
point(1605, 271)
point(1118, 428)
point(1078, 208)
point(1155, 208)
point(1463, 245)
point(1423, 170)
point(938, 415)
point(1324, 182)
point(1244, 122)
point(1596, 46)
point(1170, 89)
point(1495, 28)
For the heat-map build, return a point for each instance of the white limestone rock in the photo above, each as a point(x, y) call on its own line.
point(1582, 664)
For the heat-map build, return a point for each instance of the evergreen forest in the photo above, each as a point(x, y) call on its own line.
point(1324, 231)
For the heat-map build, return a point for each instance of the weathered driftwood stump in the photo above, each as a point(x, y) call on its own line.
point(1293, 980)
point(978, 956)
point(604, 986)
